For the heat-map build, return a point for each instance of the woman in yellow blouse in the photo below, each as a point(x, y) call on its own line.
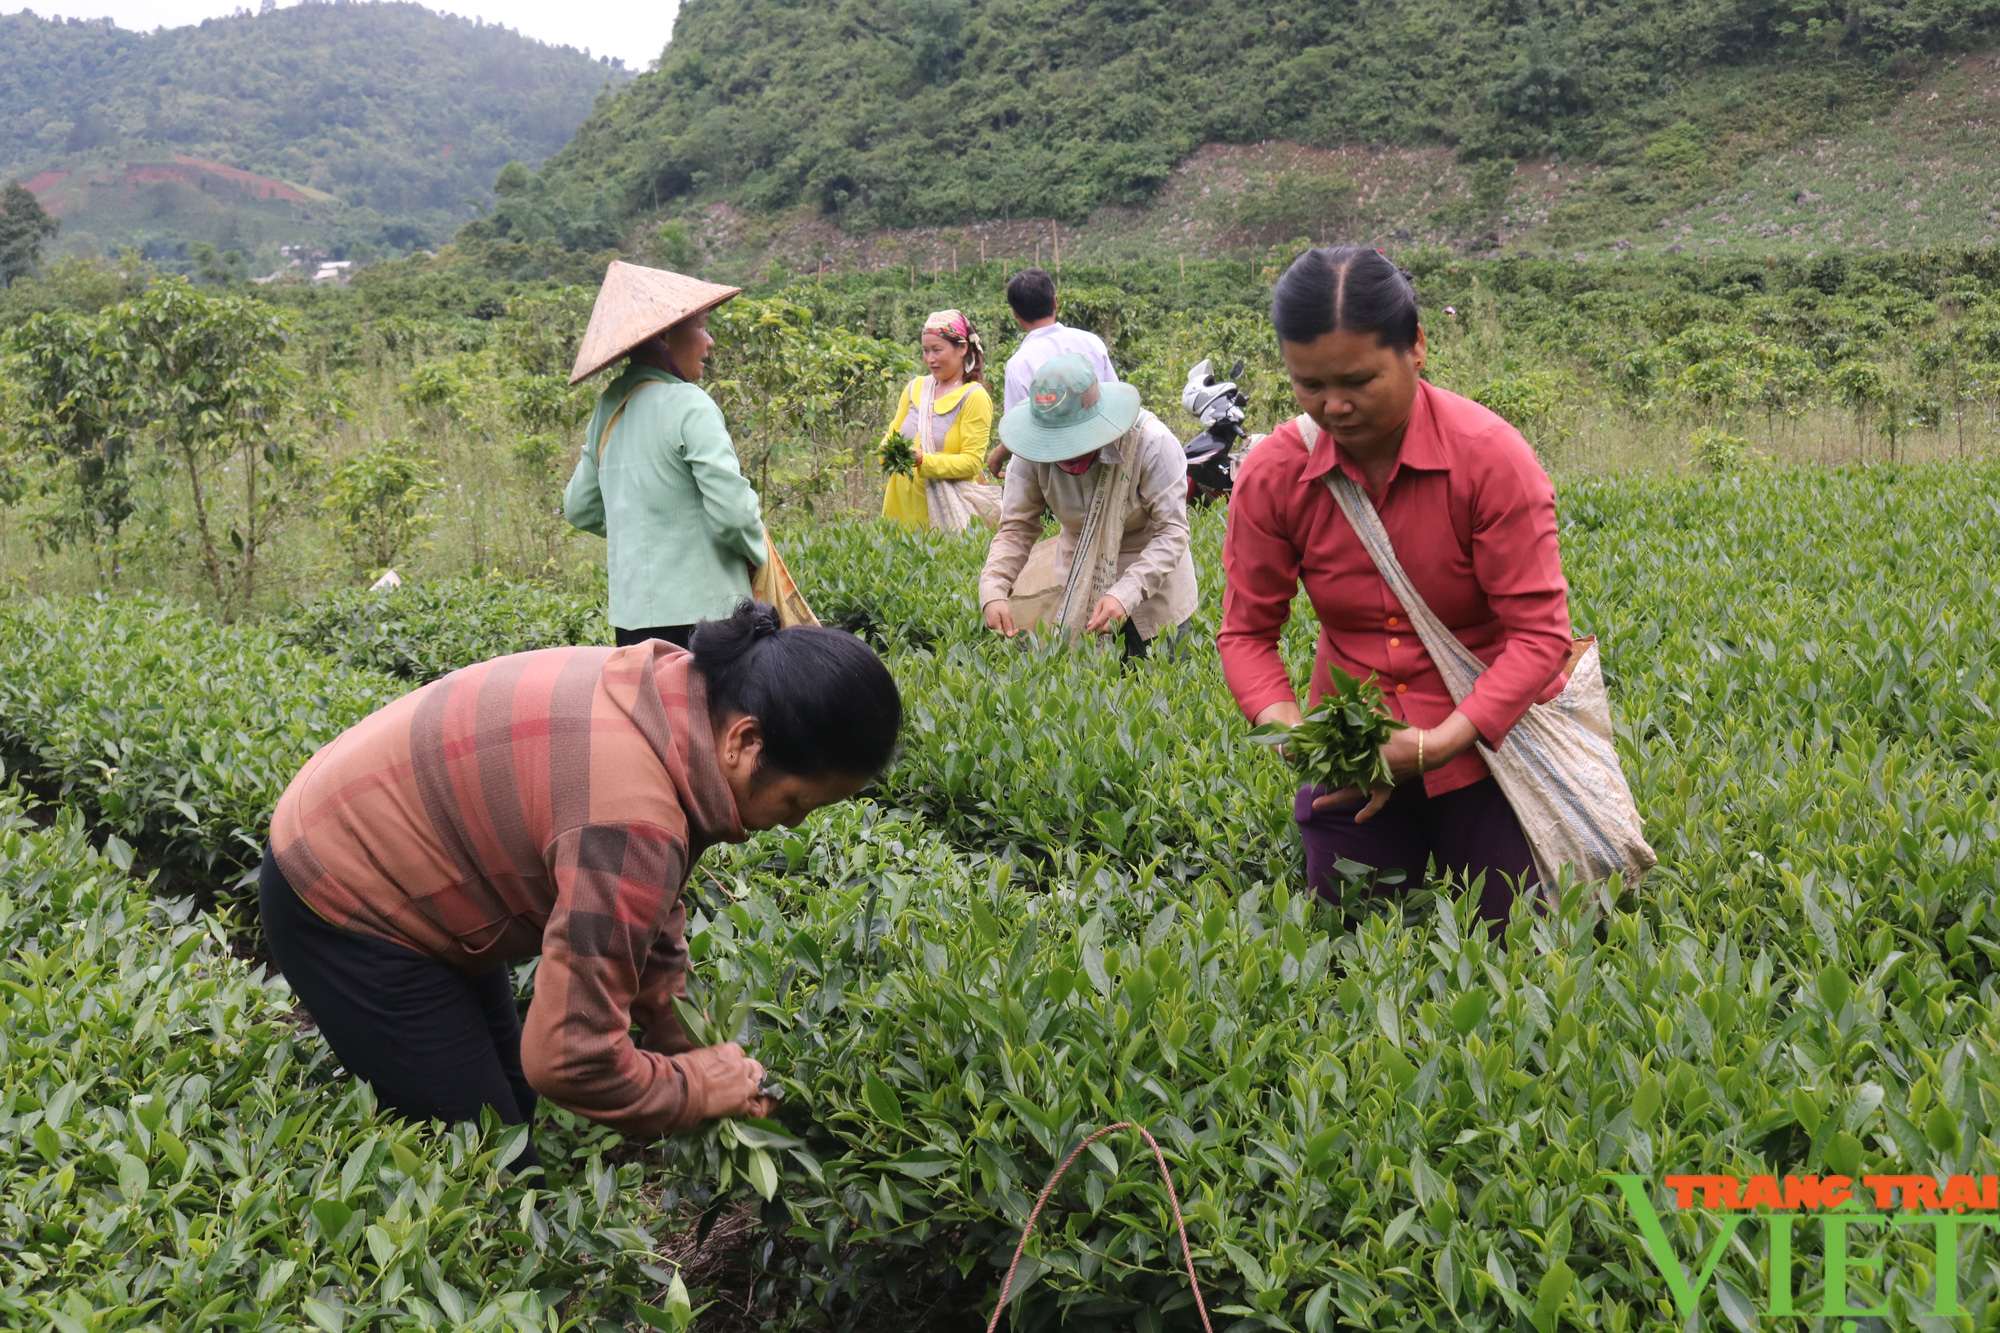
point(947, 416)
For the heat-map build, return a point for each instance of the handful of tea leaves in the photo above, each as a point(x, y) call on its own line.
point(899, 457)
point(1339, 743)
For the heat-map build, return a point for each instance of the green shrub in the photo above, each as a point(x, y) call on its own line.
point(1539, 402)
point(443, 388)
point(377, 499)
point(175, 733)
point(175, 1156)
point(1717, 450)
point(1402, 1126)
point(421, 631)
point(1297, 204)
point(1806, 670)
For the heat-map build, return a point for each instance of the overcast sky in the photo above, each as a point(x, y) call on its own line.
point(631, 30)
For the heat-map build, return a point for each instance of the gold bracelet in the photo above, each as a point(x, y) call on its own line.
point(1420, 751)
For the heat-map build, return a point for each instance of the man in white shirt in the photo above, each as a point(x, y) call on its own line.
point(1031, 295)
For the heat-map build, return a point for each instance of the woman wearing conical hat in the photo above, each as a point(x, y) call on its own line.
point(659, 479)
point(947, 416)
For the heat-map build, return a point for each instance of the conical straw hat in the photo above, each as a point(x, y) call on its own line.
point(634, 304)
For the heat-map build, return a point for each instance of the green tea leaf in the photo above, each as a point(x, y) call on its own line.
point(1550, 1293)
point(133, 1181)
point(1843, 1154)
point(333, 1217)
point(1646, 1102)
point(1941, 1129)
point(924, 1163)
point(1339, 742)
point(1468, 1010)
point(1805, 1105)
point(761, 1172)
point(882, 1100)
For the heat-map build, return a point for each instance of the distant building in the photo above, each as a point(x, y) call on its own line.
point(333, 270)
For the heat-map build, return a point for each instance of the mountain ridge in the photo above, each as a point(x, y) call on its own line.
point(909, 113)
point(389, 120)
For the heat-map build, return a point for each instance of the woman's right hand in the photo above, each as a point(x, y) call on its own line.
point(1285, 711)
point(1000, 617)
point(730, 1081)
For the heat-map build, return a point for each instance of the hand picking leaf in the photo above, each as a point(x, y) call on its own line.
point(899, 457)
point(1339, 743)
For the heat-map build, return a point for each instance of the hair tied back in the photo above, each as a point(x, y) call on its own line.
point(1347, 288)
point(824, 702)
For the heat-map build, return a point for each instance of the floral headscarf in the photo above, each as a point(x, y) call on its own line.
point(953, 326)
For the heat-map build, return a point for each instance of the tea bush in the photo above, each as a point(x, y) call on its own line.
point(1074, 899)
point(1402, 1126)
point(175, 733)
point(421, 631)
point(174, 1157)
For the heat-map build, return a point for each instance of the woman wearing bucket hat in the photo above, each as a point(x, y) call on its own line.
point(658, 478)
point(947, 416)
point(1116, 479)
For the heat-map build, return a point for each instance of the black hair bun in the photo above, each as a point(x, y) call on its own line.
point(718, 642)
point(823, 699)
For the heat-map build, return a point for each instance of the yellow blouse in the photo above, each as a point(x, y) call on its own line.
point(962, 457)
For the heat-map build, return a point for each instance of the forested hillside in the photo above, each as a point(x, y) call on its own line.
point(914, 112)
point(383, 123)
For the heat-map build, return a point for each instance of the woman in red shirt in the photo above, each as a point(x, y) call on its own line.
point(1471, 515)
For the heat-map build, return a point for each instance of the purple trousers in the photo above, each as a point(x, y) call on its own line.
point(1467, 833)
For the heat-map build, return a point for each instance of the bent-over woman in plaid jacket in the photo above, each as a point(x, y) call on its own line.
point(554, 803)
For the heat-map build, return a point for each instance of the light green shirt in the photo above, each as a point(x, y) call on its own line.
point(682, 524)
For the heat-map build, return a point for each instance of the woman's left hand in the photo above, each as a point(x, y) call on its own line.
point(1436, 746)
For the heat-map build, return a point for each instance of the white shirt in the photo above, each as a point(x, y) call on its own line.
point(1039, 346)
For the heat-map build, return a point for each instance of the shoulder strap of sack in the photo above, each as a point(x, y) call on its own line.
point(926, 409)
point(604, 436)
point(1459, 665)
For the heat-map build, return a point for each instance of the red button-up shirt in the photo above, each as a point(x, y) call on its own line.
point(1472, 516)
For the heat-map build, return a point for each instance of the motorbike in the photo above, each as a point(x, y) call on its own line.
point(1212, 455)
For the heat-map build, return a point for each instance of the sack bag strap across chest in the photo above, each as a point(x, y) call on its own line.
point(1558, 767)
point(604, 436)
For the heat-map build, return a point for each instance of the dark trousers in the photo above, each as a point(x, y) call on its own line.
point(677, 635)
point(1468, 833)
point(434, 1043)
point(1168, 641)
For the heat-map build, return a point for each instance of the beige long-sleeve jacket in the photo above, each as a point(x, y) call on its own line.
point(1156, 580)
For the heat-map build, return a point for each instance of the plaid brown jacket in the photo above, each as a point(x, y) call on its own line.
point(548, 803)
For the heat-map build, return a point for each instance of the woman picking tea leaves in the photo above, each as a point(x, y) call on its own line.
point(935, 451)
point(1471, 517)
point(552, 805)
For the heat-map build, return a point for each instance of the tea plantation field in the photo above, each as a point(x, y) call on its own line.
point(1075, 899)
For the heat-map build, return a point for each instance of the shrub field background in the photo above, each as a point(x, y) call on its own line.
point(419, 419)
point(1075, 899)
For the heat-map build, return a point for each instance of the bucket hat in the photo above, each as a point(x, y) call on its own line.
point(1069, 412)
point(635, 303)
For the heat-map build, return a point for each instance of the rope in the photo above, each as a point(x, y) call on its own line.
point(1048, 1189)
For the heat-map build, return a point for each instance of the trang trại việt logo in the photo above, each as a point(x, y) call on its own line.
point(1833, 1206)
